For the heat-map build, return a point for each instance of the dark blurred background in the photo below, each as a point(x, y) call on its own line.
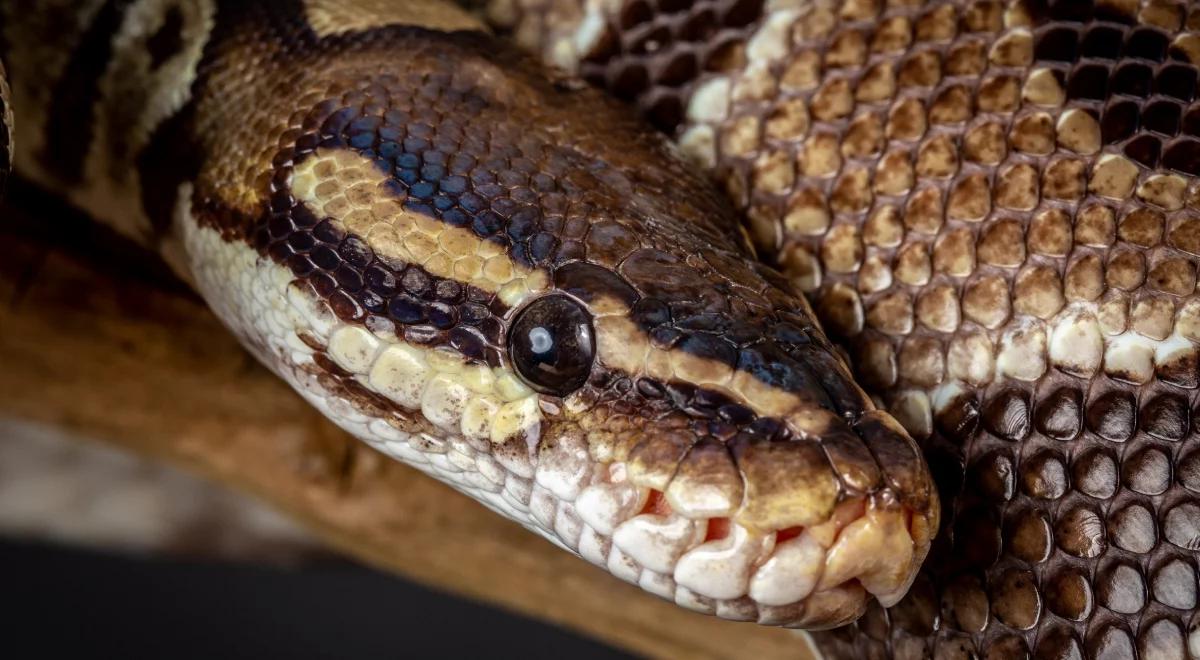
point(60, 602)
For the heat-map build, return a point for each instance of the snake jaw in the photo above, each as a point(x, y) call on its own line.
point(782, 577)
point(681, 517)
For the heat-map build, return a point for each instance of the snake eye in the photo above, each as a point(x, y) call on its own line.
point(551, 344)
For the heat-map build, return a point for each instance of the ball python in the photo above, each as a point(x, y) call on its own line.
point(992, 205)
point(491, 272)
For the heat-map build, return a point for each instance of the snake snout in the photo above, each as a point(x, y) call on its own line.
point(765, 522)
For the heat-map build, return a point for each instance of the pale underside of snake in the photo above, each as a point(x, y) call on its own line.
point(491, 273)
point(487, 271)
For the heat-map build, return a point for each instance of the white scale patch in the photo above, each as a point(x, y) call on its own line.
point(1083, 340)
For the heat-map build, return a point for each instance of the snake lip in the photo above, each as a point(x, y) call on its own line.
point(704, 529)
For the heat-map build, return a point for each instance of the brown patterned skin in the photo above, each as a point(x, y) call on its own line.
point(426, 186)
point(992, 206)
point(651, 53)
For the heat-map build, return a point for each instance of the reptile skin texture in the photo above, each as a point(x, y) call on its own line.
point(993, 208)
point(493, 273)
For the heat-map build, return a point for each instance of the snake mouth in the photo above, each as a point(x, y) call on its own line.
point(709, 532)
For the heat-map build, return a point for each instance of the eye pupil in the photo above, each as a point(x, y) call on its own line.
point(551, 344)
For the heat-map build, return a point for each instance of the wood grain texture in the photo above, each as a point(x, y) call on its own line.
point(105, 344)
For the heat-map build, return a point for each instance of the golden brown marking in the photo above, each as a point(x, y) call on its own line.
point(329, 17)
point(345, 186)
point(622, 345)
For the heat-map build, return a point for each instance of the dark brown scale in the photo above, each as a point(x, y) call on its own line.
point(1120, 118)
point(654, 51)
point(1007, 415)
point(1069, 595)
point(1144, 149)
point(1166, 416)
point(1045, 476)
point(994, 476)
point(1058, 414)
point(1079, 532)
point(1060, 44)
point(1112, 416)
point(1089, 81)
point(1133, 79)
point(1177, 81)
point(1162, 116)
point(1184, 155)
point(1102, 41)
point(981, 538)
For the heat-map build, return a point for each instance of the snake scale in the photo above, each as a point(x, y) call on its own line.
point(492, 272)
point(993, 207)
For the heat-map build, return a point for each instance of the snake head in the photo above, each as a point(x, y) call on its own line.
point(716, 452)
point(503, 280)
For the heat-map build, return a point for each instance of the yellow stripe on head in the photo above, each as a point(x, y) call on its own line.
point(349, 188)
point(621, 344)
point(329, 17)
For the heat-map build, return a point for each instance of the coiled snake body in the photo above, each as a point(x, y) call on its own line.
point(490, 272)
point(992, 206)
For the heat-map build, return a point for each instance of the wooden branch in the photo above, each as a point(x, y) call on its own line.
point(110, 348)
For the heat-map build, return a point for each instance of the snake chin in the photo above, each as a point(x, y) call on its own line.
point(689, 543)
